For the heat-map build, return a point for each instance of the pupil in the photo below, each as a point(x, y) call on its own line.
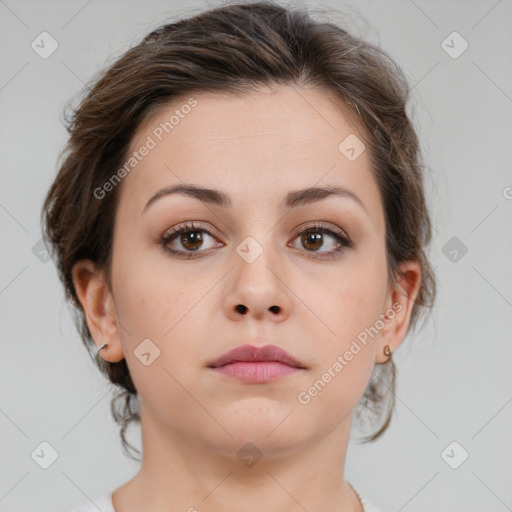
point(191, 238)
point(313, 239)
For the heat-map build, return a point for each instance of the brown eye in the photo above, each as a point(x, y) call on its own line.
point(191, 240)
point(317, 237)
point(188, 239)
point(312, 241)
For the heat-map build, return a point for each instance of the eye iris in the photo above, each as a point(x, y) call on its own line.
point(194, 237)
point(312, 238)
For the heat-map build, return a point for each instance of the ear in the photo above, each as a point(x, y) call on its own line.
point(399, 303)
point(98, 305)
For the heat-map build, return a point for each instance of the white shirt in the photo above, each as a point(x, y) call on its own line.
point(367, 506)
point(104, 503)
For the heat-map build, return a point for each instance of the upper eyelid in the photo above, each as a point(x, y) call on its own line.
point(200, 227)
point(185, 226)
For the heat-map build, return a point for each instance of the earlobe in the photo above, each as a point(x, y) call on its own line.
point(98, 305)
point(399, 309)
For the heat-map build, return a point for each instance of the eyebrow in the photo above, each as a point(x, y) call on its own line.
point(293, 199)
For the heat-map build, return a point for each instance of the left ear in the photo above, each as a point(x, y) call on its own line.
point(399, 303)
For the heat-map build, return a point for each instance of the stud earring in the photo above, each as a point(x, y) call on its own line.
point(102, 346)
point(387, 350)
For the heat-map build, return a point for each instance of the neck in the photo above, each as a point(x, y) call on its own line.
point(183, 473)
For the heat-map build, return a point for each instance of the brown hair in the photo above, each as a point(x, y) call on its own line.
point(233, 49)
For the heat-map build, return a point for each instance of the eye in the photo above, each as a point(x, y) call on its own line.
point(190, 237)
point(313, 238)
point(188, 240)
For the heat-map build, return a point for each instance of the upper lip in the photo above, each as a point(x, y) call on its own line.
point(251, 353)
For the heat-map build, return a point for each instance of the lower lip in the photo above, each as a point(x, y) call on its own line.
point(257, 372)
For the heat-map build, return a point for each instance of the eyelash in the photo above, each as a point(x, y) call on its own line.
point(337, 234)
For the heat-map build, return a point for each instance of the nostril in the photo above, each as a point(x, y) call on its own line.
point(274, 309)
point(241, 308)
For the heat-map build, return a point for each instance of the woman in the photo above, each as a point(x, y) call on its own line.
point(240, 222)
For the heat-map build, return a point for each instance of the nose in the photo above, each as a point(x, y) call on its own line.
point(258, 290)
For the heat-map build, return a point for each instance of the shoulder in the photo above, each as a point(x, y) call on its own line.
point(103, 504)
point(367, 505)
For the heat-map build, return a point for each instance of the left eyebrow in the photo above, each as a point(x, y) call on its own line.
point(292, 200)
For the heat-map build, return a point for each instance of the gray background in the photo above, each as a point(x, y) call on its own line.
point(454, 377)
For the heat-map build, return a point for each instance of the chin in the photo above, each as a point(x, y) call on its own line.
point(273, 428)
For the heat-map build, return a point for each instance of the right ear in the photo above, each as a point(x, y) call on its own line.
point(99, 308)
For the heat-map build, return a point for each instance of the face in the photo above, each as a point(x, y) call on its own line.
point(306, 273)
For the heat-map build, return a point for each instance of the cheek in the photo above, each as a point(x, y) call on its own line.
point(148, 298)
point(350, 308)
point(345, 359)
point(353, 300)
point(162, 306)
point(160, 311)
point(157, 308)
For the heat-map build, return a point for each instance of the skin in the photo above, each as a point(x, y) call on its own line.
point(255, 148)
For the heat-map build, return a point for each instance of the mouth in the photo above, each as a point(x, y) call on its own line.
point(253, 364)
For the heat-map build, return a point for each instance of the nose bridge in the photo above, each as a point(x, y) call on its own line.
point(258, 281)
point(257, 260)
point(259, 237)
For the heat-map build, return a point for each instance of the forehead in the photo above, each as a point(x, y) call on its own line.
point(257, 145)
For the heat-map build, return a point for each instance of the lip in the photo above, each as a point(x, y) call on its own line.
point(250, 363)
point(252, 354)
